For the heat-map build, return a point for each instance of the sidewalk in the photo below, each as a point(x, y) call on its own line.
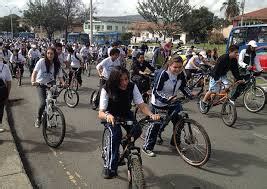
point(12, 173)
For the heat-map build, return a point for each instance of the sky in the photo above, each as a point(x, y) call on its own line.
point(128, 7)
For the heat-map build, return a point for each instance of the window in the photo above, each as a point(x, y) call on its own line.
point(116, 28)
point(123, 28)
point(85, 26)
point(109, 27)
point(102, 27)
point(97, 27)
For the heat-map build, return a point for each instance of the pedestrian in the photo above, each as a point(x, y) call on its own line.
point(5, 84)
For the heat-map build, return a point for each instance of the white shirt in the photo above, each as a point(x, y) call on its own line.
point(107, 65)
point(34, 54)
point(85, 52)
point(17, 59)
point(43, 76)
point(62, 58)
point(74, 62)
point(190, 63)
point(5, 73)
point(7, 56)
point(103, 103)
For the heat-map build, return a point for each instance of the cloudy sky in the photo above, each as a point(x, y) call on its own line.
point(127, 7)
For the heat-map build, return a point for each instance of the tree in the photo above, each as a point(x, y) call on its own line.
point(198, 23)
point(220, 23)
point(166, 15)
point(47, 15)
point(232, 9)
point(126, 37)
point(5, 23)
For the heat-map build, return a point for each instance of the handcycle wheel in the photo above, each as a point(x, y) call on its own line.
point(71, 98)
point(254, 99)
point(54, 127)
point(229, 114)
point(106, 139)
point(192, 142)
point(137, 180)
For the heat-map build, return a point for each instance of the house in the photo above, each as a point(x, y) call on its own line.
point(251, 18)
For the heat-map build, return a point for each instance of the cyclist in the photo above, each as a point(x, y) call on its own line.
point(248, 58)
point(5, 84)
point(34, 55)
point(85, 53)
point(115, 102)
point(7, 54)
point(166, 87)
point(76, 63)
point(224, 64)
point(161, 55)
point(17, 59)
point(61, 55)
point(47, 69)
point(105, 67)
point(139, 76)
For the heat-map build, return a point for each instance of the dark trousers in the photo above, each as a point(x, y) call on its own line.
point(154, 128)
point(41, 90)
point(102, 82)
point(78, 74)
point(113, 154)
point(2, 106)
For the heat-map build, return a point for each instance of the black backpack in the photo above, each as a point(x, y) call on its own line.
point(3, 88)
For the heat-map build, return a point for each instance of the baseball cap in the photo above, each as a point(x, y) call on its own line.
point(203, 53)
point(252, 43)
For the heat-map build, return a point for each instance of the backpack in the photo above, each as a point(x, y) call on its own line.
point(3, 88)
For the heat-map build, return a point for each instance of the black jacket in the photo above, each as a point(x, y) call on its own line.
point(223, 65)
point(141, 67)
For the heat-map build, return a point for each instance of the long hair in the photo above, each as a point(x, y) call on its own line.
point(249, 51)
point(55, 61)
point(113, 83)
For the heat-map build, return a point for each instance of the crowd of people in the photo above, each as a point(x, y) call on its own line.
point(120, 87)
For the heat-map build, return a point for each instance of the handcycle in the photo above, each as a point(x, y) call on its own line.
point(129, 152)
point(228, 111)
point(53, 120)
point(193, 150)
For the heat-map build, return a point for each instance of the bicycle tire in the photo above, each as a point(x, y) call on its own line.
point(46, 129)
point(229, 121)
point(93, 97)
point(137, 174)
point(177, 134)
point(247, 104)
point(69, 94)
point(105, 144)
point(89, 70)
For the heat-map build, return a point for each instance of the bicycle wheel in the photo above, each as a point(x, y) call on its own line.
point(71, 98)
point(18, 76)
point(137, 175)
point(228, 113)
point(106, 138)
point(54, 128)
point(254, 99)
point(192, 142)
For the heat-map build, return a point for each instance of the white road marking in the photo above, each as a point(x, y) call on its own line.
point(264, 137)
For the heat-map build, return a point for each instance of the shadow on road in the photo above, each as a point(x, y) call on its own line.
point(231, 163)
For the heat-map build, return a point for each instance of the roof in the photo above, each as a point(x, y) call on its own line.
point(120, 19)
point(260, 14)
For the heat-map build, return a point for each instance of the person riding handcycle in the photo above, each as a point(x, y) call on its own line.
point(115, 102)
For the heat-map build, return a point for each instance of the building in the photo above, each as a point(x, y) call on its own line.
point(251, 18)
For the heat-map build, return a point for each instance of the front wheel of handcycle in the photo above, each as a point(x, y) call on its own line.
point(192, 142)
point(54, 127)
point(71, 98)
point(254, 99)
point(229, 114)
point(136, 176)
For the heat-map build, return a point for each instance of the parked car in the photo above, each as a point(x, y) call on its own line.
point(262, 54)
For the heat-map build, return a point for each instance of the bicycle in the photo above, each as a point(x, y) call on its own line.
point(95, 95)
point(51, 115)
point(18, 73)
point(129, 152)
point(253, 95)
point(185, 134)
point(73, 81)
point(228, 111)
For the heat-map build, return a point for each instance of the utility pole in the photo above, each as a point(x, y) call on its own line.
point(91, 22)
point(242, 7)
point(11, 20)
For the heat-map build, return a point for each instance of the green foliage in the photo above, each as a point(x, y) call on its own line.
point(126, 37)
point(232, 9)
point(216, 38)
point(5, 23)
point(198, 23)
point(166, 15)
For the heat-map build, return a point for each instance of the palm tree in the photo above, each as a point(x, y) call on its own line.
point(232, 9)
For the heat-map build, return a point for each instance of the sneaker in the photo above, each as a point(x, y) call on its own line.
point(149, 152)
point(108, 174)
point(37, 123)
point(2, 130)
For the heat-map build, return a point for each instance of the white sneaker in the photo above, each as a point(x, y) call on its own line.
point(149, 153)
point(37, 123)
point(2, 130)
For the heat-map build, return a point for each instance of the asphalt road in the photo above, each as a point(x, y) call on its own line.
point(238, 159)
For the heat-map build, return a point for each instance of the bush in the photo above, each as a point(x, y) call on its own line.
point(216, 38)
